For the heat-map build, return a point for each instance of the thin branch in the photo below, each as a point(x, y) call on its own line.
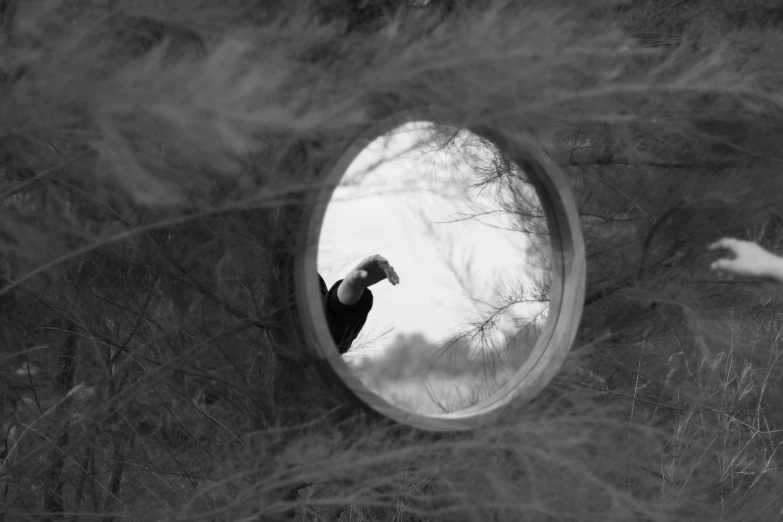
point(268, 199)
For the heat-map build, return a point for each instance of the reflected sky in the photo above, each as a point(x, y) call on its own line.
point(422, 207)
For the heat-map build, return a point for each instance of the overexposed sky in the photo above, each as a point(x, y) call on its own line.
point(400, 199)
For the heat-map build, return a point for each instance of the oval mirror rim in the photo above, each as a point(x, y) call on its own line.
point(568, 282)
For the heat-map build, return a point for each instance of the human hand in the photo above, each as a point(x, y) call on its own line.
point(750, 260)
point(369, 271)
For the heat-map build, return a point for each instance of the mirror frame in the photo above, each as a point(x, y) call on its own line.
point(566, 294)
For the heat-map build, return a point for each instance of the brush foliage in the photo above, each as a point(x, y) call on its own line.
point(154, 158)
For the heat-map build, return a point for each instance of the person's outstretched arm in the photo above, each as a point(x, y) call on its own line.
point(750, 260)
point(368, 272)
point(349, 301)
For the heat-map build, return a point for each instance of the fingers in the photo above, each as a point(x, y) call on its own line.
point(392, 276)
point(726, 265)
point(728, 243)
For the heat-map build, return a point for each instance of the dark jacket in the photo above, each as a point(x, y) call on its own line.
point(345, 321)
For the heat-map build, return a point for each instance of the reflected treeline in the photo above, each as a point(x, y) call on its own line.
point(440, 377)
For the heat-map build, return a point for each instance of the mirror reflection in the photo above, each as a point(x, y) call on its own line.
point(435, 265)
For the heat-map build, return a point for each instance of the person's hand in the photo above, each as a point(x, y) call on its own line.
point(369, 271)
point(750, 260)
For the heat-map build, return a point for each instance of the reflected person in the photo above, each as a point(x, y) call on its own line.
point(349, 301)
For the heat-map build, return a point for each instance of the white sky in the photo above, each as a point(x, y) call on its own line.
point(391, 202)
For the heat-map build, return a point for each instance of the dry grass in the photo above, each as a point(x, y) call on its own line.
point(142, 236)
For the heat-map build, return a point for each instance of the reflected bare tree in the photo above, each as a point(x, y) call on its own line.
point(492, 347)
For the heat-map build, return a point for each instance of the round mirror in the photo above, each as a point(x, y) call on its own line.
point(434, 273)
